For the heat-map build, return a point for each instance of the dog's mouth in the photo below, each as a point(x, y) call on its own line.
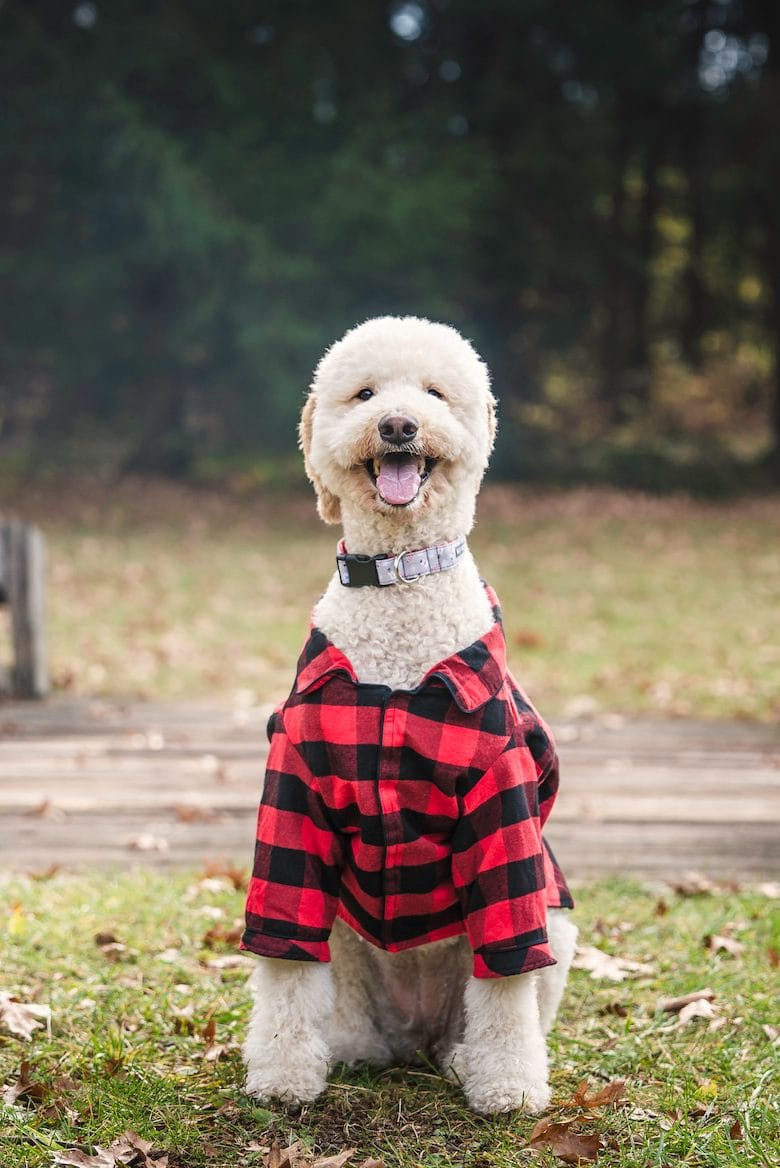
point(398, 477)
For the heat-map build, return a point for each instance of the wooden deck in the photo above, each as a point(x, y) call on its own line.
point(107, 783)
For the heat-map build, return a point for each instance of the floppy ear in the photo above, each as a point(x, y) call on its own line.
point(327, 503)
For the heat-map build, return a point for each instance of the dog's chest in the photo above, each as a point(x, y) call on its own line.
point(393, 636)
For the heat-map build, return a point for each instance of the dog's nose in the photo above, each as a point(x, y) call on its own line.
point(397, 429)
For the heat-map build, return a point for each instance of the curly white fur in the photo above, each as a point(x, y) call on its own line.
point(374, 1006)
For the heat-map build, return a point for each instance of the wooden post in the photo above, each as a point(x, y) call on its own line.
point(23, 587)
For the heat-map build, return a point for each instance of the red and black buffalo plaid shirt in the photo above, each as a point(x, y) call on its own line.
point(413, 814)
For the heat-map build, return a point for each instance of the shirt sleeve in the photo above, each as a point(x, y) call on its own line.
point(499, 869)
point(294, 888)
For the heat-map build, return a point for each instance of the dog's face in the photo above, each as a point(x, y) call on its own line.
point(400, 420)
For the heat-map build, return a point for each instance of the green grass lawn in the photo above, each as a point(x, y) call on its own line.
point(147, 1021)
point(637, 605)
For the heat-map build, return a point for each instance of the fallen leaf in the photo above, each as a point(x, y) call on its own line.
point(772, 1033)
point(38, 876)
point(234, 961)
point(220, 869)
point(46, 810)
point(609, 1094)
point(21, 1019)
point(369, 1163)
point(218, 935)
point(672, 1005)
point(735, 1131)
point(602, 965)
point(147, 841)
point(292, 1156)
point(24, 1088)
point(717, 943)
point(702, 1008)
point(191, 813)
point(570, 1147)
point(129, 1149)
point(774, 957)
point(337, 1161)
point(693, 884)
point(214, 1050)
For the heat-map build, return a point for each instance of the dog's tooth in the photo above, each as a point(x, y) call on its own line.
point(377, 467)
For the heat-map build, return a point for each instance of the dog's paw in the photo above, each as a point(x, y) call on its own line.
point(488, 1098)
point(300, 1082)
point(492, 1086)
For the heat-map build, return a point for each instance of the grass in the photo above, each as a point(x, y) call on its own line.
point(137, 1022)
point(630, 603)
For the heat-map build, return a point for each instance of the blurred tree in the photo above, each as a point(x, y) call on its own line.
point(197, 199)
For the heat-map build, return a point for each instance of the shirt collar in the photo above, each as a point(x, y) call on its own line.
point(473, 676)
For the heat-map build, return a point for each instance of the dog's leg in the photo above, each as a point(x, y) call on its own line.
point(562, 935)
point(286, 1051)
point(354, 1034)
point(501, 1063)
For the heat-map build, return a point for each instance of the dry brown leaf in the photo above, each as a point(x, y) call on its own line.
point(693, 884)
point(220, 869)
point(24, 1088)
point(369, 1163)
point(192, 813)
point(233, 961)
point(46, 810)
point(608, 1094)
point(735, 1131)
point(702, 1008)
point(147, 841)
point(772, 1033)
point(292, 1156)
point(570, 1147)
point(40, 875)
point(337, 1161)
point(774, 957)
point(602, 965)
point(672, 1005)
point(130, 1149)
point(20, 1018)
point(217, 935)
point(716, 942)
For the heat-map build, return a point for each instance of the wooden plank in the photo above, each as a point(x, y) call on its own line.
point(80, 779)
point(24, 559)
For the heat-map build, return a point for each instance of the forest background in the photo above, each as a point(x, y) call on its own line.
point(198, 198)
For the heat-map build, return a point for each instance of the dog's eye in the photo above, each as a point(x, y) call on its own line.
point(434, 392)
point(365, 393)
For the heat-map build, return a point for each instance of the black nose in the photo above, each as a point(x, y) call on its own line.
point(397, 429)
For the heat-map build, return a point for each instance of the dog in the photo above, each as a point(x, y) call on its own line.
point(402, 900)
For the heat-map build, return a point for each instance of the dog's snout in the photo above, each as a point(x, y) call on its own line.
point(397, 428)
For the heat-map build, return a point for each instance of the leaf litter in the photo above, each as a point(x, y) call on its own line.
point(23, 1018)
point(565, 1137)
point(128, 1151)
point(297, 1156)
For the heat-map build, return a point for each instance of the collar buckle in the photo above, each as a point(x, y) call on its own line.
point(398, 571)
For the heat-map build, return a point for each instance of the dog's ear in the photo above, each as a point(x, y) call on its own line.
point(327, 503)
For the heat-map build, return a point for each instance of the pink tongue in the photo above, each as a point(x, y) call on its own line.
point(398, 480)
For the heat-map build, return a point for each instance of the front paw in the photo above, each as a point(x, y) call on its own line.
point(298, 1081)
point(493, 1085)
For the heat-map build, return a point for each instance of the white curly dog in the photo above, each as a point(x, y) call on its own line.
point(400, 895)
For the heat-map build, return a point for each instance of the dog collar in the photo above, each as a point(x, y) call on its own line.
point(362, 571)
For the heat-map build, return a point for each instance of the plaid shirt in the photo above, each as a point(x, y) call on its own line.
point(414, 815)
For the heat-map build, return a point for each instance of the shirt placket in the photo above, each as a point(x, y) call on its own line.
point(392, 739)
